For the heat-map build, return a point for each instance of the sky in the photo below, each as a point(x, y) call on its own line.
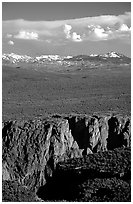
point(66, 28)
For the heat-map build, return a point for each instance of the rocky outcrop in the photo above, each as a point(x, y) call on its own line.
point(83, 179)
point(32, 149)
point(100, 133)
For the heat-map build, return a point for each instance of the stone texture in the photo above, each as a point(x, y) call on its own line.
point(31, 149)
point(100, 133)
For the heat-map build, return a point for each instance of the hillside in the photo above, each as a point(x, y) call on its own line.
point(28, 93)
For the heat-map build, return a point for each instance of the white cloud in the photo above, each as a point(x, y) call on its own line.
point(9, 35)
point(48, 41)
point(10, 42)
point(26, 35)
point(123, 32)
point(100, 32)
point(72, 36)
point(67, 30)
point(124, 27)
point(105, 32)
point(76, 37)
point(96, 28)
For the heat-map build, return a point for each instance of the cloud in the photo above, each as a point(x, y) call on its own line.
point(124, 28)
point(76, 37)
point(10, 42)
point(67, 30)
point(27, 35)
point(100, 33)
point(9, 35)
point(97, 33)
point(72, 36)
point(96, 28)
point(48, 41)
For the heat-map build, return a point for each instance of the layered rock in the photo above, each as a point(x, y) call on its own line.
point(31, 149)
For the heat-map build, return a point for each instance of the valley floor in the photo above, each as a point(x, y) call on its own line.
point(27, 93)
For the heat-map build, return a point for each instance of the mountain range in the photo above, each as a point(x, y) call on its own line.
point(93, 59)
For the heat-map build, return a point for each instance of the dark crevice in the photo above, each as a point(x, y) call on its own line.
point(79, 132)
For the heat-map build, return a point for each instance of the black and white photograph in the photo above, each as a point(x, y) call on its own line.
point(66, 101)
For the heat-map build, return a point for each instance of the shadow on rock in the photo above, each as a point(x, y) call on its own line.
point(104, 193)
point(56, 191)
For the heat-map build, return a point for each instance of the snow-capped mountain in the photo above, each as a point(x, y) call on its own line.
point(14, 58)
point(109, 54)
point(112, 54)
point(49, 57)
point(110, 57)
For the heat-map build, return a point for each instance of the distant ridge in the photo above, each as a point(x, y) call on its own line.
point(110, 57)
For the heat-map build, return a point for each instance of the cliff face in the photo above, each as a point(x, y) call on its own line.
point(31, 149)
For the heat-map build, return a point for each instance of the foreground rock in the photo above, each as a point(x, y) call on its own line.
point(32, 149)
point(102, 176)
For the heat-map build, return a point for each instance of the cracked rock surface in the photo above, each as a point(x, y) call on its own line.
point(32, 149)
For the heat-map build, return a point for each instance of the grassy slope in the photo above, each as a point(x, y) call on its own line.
point(28, 93)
